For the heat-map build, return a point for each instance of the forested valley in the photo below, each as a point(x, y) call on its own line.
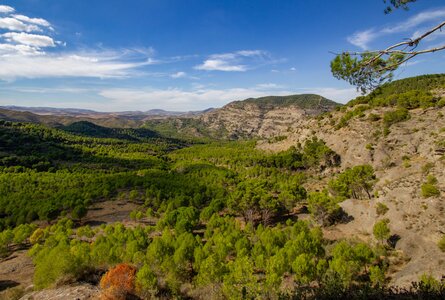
point(213, 220)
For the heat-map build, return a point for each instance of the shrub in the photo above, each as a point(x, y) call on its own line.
point(118, 283)
point(430, 285)
point(374, 117)
point(377, 275)
point(354, 182)
point(441, 102)
point(381, 208)
point(58, 263)
point(381, 230)
point(323, 208)
point(79, 212)
point(427, 167)
point(429, 190)
point(395, 116)
point(146, 282)
point(37, 236)
point(441, 244)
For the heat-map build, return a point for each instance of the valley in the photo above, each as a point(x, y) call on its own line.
point(269, 198)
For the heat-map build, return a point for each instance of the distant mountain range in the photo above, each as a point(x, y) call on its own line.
point(76, 112)
point(239, 119)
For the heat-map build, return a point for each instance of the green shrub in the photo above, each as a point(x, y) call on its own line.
point(441, 102)
point(430, 285)
point(356, 182)
point(429, 190)
point(441, 244)
point(395, 116)
point(323, 208)
point(427, 167)
point(374, 117)
point(381, 230)
point(431, 179)
point(358, 111)
point(381, 208)
point(146, 282)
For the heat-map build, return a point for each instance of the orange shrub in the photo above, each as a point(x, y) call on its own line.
point(118, 282)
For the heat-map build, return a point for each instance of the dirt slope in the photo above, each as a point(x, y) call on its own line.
point(402, 160)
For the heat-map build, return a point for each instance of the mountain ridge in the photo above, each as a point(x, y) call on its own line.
point(252, 117)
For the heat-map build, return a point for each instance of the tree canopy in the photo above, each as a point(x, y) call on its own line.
point(369, 69)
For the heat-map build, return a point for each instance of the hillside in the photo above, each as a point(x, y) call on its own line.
point(90, 129)
point(56, 119)
point(251, 118)
point(405, 152)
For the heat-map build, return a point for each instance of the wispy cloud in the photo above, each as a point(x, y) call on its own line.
point(16, 25)
point(5, 9)
point(66, 65)
point(37, 21)
point(269, 86)
point(24, 54)
point(178, 75)
point(202, 98)
point(362, 39)
point(179, 99)
point(33, 40)
point(239, 61)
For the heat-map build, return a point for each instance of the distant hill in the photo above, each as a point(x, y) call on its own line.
point(77, 112)
point(418, 86)
point(303, 101)
point(65, 116)
point(253, 117)
point(86, 128)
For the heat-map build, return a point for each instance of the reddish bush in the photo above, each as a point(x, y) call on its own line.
point(118, 282)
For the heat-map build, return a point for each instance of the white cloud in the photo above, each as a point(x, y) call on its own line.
point(22, 54)
point(101, 65)
point(37, 21)
point(232, 62)
point(14, 50)
point(250, 52)
point(35, 40)
point(362, 39)
point(220, 65)
point(293, 69)
point(5, 9)
point(420, 18)
point(177, 99)
point(265, 86)
point(178, 75)
point(16, 25)
point(202, 98)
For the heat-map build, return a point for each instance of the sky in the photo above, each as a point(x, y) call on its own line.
point(186, 55)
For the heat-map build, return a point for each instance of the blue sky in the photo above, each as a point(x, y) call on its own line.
point(114, 55)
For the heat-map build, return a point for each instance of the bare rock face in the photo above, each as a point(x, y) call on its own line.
point(265, 117)
point(77, 292)
point(402, 160)
point(251, 121)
